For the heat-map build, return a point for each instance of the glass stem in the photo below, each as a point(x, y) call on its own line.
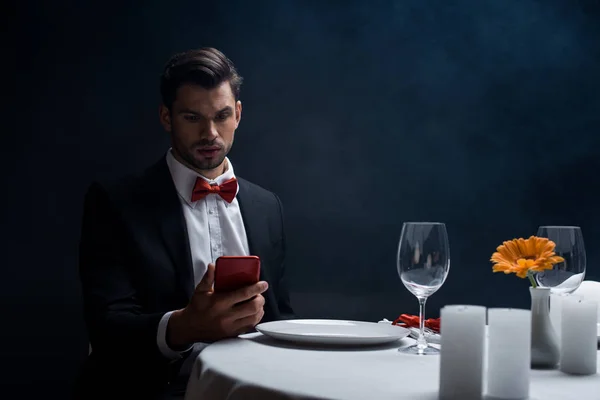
point(421, 342)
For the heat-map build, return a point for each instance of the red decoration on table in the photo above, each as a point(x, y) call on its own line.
point(412, 321)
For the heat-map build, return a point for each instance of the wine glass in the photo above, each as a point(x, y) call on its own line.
point(423, 264)
point(565, 277)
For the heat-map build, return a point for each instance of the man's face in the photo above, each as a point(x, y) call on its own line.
point(202, 125)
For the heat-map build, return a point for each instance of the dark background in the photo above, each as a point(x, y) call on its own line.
point(360, 114)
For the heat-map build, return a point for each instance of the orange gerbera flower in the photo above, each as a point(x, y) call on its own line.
point(520, 256)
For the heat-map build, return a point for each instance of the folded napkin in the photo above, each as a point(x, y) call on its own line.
point(412, 321)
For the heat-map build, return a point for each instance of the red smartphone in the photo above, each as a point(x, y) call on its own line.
point(234, 272)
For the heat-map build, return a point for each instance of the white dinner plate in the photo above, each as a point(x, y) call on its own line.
point(328, 331)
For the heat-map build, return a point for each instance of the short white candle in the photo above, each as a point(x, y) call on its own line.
point(509, 353)
point(579, 336)
point(461, 355)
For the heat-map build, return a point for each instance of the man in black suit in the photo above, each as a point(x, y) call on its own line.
point(149, 243)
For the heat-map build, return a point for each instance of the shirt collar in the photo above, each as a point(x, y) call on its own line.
point(184, 178)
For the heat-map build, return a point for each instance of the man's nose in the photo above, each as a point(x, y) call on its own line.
point(210, 131)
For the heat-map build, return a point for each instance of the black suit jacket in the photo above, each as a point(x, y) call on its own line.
point(135, 265)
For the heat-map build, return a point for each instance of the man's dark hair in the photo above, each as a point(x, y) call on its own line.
point(206, 67)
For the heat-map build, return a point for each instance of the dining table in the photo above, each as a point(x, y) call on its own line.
point(257, 366)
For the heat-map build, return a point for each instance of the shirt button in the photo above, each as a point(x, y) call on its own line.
point(211, 211)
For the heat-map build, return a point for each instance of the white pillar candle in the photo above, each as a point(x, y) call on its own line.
point(509, 353)
point(461, 355)
point(579, 336)
point(556, 300)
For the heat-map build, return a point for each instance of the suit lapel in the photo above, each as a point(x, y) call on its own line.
point(258, 240)
point(249, 209)
point(172, 226)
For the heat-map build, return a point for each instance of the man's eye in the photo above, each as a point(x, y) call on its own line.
point(191, 118)
point(222, 117)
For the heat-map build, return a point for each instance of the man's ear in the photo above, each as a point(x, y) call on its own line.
point(164, 114)
point(238, 113)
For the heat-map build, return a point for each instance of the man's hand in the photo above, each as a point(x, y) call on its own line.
point(212, 316)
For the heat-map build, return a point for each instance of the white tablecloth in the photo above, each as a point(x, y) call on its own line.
point(257, 367)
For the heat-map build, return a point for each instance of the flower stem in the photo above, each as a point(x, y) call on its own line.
point(530, 276)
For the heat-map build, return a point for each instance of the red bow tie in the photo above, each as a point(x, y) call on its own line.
point(227, 190)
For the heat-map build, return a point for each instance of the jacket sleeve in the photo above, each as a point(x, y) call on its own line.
point(115, 320)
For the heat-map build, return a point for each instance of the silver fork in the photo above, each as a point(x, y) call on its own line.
point(414, 332)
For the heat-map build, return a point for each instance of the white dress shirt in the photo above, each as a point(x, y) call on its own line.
point(215, 228)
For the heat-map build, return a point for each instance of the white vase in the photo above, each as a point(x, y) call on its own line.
point(545, 351)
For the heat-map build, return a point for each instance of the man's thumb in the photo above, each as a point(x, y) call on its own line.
point(206, 284)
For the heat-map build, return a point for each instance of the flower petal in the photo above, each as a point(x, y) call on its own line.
point(520, 256)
